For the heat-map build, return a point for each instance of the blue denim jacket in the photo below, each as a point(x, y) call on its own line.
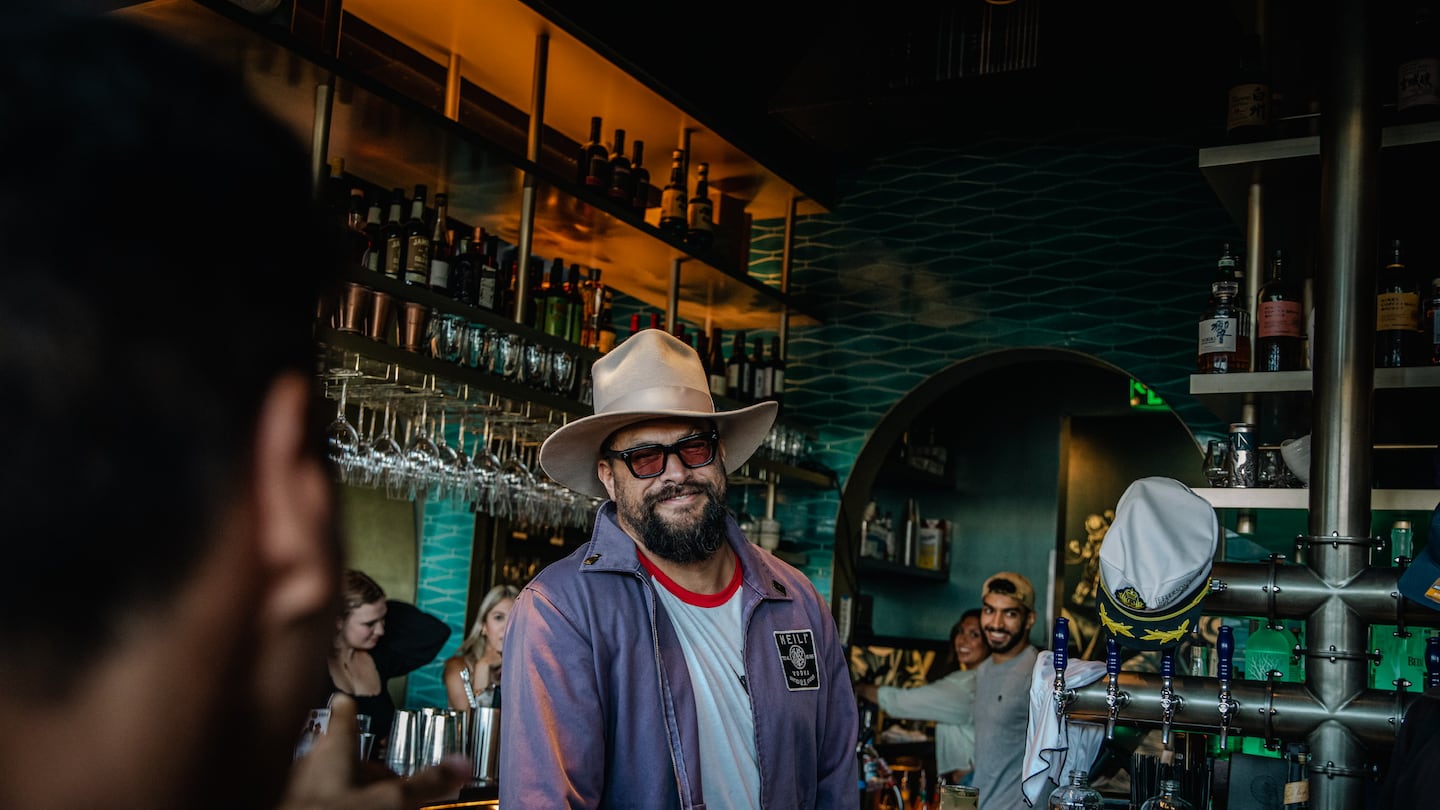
point(598, 709)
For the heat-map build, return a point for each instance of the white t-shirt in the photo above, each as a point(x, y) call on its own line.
point(950, 703)
point(709, 627)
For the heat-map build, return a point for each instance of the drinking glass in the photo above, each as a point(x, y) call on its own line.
point(1217, 463)
point(535, 362)
point(560, 378)
point(341, 437)
point(959, 797)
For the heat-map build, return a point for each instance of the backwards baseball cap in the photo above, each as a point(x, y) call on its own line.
point(1421, 581)
point(1011, 584)
point(1155, 563)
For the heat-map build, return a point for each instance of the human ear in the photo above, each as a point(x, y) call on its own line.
point(606, 475)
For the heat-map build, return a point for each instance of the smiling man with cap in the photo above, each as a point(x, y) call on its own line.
point(1002, 689)
point(669, 662)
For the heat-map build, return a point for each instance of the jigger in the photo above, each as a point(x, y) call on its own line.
point(400, 756)
point(413, 317)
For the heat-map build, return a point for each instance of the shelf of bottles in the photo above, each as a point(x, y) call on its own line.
point(387, 125)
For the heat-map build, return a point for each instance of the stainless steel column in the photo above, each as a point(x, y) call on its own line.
point(1343, 376)
point(527, 191)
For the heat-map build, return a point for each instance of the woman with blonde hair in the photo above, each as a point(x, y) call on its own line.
point(470, 672)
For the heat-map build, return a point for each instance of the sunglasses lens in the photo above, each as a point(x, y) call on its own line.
point(696, 452)
point(646, 462)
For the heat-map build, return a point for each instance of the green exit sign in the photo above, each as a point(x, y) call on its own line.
point(1143, 399)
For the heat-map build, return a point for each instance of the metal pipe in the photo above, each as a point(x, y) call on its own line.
point(787, 257)
point(453, 81)
point(1292, 711)
point(1245, 589)
point(527, 191)
point(672, 297)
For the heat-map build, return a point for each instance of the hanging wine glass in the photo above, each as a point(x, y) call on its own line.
point(485, 473)
point(342, 440)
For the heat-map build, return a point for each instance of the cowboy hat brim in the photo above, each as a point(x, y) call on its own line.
point(570, 455)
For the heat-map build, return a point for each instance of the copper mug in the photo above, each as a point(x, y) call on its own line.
point(377, 324)
point(412, 320)
point(350, 314)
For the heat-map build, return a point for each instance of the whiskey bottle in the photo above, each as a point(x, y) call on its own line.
point(595, 160)
point(700, 212)
point(1279, 331)
point(440, 240)
point(622, 183)
point(392, 236)
point(415, 255)
point(1417, 76)
point(1224, 329)
point(465, 268)
point(673, 199)
point(639, 179)
point(1247, 116)
point(1397, 313)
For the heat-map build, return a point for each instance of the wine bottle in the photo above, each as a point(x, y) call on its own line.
point(393, 236)
point(622, 183)
point(1279, 330)
point(1247, 116)
point(715, 363)
point(700, 213)
point(1397, 312)
point(553, 303)
point(1417, 76)
point(574, 305)
point(759, 374)
point(639, 179)
point(465, 269)
point(356, 236)
point(440, 237)
point(673, 199)
point(736, 371)
point(595, 160)
point(777, 371)
point(487, 289)
point(375, 244)
point(415, 256)
point(606, 339)
point(1224, 328)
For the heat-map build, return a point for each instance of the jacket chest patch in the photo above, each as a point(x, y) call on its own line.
point(797, 657)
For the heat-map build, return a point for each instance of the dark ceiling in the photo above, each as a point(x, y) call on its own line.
point(813, 88)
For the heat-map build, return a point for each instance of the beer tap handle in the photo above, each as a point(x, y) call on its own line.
point(1061, 650)
point(1113, 698)
point(1432, 662)
point(1225, 648)
point(1167, 695)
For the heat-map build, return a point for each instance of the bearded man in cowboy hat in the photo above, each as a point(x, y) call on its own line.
point(669, 662)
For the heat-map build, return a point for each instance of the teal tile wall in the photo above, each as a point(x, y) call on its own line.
point(447, 535)
point(1091, 241)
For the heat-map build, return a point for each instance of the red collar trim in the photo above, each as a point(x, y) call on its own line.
point(689, 597)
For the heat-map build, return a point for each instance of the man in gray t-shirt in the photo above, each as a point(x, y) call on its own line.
point(1002, 689)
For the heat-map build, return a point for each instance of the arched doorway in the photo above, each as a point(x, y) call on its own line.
point(1038, 443)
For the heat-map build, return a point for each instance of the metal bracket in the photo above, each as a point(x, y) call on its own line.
point(1271, 589)
point(1334, 655)
point(1335, 540)
point(1330, 771)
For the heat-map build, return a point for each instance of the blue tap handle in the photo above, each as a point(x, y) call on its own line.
point(1432, 662)
point(1112, 657)
point(1062, 644)
point(1167, 664)
point(1225, 648)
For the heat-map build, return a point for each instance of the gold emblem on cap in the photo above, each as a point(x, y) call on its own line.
point(1130, 598)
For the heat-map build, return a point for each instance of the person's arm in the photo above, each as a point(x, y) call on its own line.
point(948, 700)
point(454, 686)
point(412, 639)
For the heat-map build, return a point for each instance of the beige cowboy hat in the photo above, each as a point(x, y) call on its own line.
point(652, 375)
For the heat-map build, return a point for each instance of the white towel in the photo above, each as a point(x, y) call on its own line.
point(1049, 757)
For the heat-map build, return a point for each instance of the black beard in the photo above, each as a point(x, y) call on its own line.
point(1015, 640)
point(694, 542)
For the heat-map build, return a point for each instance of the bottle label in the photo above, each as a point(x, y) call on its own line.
point(596, 175)
point(620, 183)
point(1397, 311)
point(699, 217)
point(777, 382)
point(1279, 319)
point(732, 377)
point(1417, 83)
point(1249, 106)
point(417, 262)
point(718, 384)
point(672, 204)
point(1218, 335)
point(439, 274)
point(393, 249)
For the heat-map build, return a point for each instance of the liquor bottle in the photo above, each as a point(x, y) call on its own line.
point(634, 325)
point(375, 244)
point(574, 304)
point(639, 179)
point(715, 363)
point(440, 239)
point(1432, 321)
point(415, 256)
point(1417, 76)
point(595, 160)
point(487, 289)
point(622, 183)
point(700, 213)
point(1247, 116)
point(465, 268)
point(393, 236)
point(1077, 795)
point(607, 338)
point(1279, 328)
point(356, 237)
point(1224, 329)
point(553, 305)
point(673, 198)
point(777, 371)
point(1168, 798)
point(736, 371)
point(1297, 776)
point(759, 373)
point(1397, 313)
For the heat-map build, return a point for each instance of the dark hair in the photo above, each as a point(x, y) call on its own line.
point(972, 613)
point(160, 264)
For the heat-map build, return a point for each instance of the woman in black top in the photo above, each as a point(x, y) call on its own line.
point(378, 639)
